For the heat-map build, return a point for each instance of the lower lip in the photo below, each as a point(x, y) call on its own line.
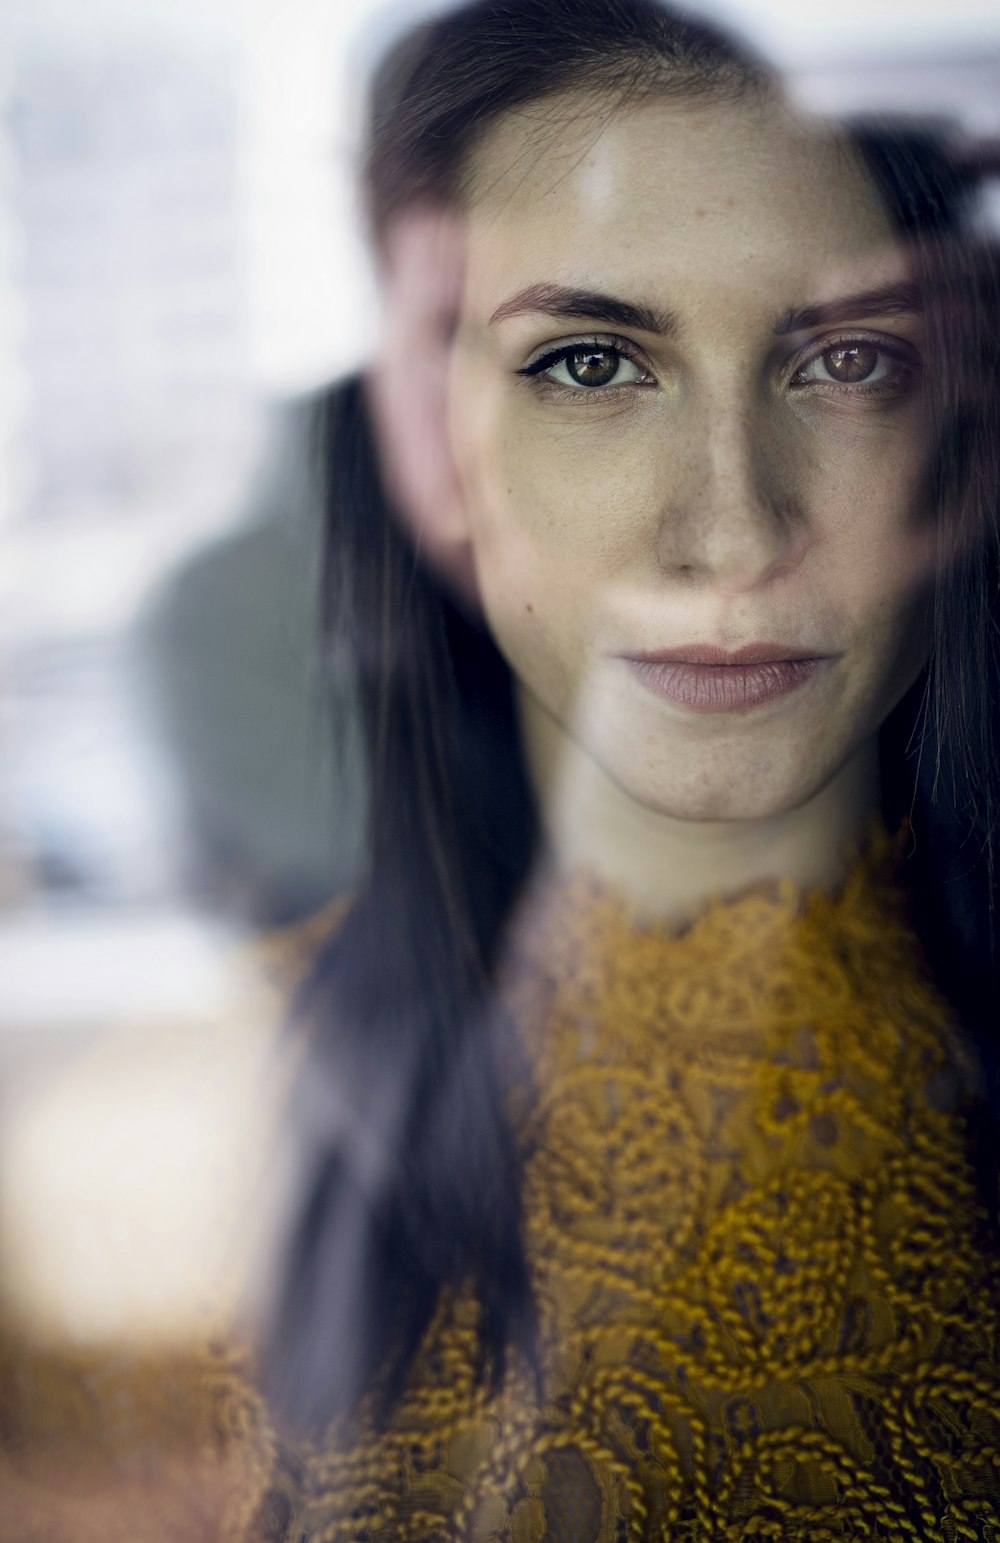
point(722, 688)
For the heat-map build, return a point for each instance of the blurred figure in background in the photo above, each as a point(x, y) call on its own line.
point(272, 817)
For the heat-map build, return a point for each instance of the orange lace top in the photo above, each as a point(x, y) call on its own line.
point(767, 1291)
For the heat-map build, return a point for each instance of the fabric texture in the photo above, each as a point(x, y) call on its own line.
point(766, 1282)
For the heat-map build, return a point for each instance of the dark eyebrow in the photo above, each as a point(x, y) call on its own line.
point(585, 305)
point(891, 300)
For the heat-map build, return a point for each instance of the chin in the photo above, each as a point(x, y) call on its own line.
point(734, 806)
point(718, 795)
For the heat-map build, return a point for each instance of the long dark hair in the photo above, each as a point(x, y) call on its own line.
point(417, 1186)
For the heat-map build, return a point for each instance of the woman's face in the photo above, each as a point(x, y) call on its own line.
point(685, 411)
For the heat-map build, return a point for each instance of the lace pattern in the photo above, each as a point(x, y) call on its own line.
point(768, 1306)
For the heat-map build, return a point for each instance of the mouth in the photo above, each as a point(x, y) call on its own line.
point(708, 679)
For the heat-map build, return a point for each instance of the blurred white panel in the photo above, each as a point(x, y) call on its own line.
point(80, 971)
point(310, 299)
point(796, 34)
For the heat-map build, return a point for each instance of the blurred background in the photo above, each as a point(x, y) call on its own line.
point(181, 275)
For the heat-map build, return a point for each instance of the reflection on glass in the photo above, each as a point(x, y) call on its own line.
point(625, 1164)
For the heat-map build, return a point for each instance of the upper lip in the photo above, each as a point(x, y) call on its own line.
point(711, 653)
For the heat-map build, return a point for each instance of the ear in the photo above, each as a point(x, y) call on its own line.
point(424, 278)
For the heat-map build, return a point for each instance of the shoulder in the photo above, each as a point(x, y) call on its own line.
point(288, 954)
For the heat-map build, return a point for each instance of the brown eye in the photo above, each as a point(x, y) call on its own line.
point(861, 365)
point(850, 362)
point(593, 366)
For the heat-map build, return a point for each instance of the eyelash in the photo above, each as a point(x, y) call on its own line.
point(535, 371)
point(894, 385)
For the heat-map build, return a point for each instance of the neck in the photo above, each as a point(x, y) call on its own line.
point(669, 867)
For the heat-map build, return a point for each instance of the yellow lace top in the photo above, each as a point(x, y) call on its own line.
point(766, 1286)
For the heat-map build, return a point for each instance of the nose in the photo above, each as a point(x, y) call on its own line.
point(732, 518)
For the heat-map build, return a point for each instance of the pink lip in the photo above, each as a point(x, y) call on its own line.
point(709, 679)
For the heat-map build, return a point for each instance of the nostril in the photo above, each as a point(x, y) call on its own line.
point(789, 512)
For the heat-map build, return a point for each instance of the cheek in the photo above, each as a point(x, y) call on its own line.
point(535, 586)
point(560, 497)
point(872, 565)
point(861, 482)
point(550, 522)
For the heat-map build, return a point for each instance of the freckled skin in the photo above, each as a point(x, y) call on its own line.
point(717, 505)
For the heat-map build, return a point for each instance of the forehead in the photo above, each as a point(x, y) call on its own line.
point(694, 199)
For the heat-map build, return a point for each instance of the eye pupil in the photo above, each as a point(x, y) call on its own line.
point(593, 366)
point(852, 361)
